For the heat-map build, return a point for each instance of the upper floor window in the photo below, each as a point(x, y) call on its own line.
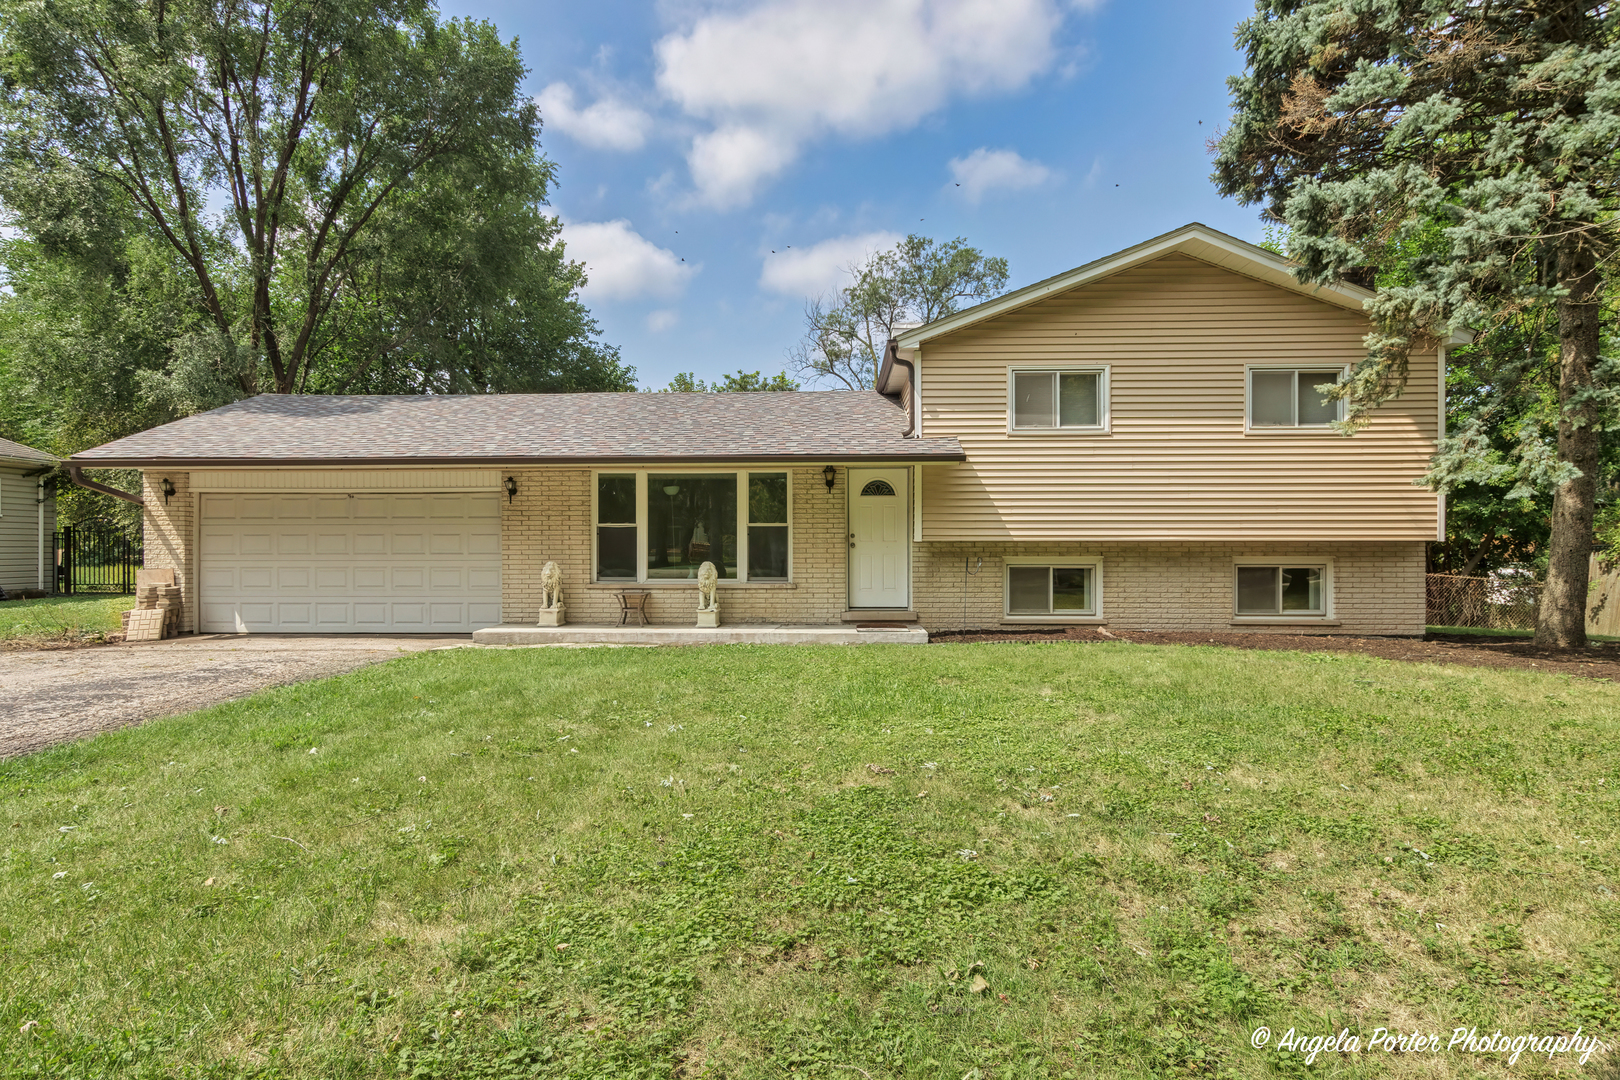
point(1054, 399)
point(1289, 398)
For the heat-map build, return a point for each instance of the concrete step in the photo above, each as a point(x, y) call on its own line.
point(691, 635)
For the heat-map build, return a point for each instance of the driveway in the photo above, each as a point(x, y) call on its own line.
point(49, 696)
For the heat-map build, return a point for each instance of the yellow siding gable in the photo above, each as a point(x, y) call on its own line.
point(1176, 334)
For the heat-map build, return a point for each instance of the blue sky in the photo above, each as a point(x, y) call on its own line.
point(770, 143)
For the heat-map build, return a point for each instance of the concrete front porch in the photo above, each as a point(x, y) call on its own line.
point(691, 635)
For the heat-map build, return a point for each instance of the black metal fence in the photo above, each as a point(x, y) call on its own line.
point(95, 561)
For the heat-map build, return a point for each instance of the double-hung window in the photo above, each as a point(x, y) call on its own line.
point(1051, 588)
point(1288, 398)
point(663, 526)
point(1284, 589)
point(1073, 400)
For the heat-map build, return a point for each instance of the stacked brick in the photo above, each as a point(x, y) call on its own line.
point(156, 615)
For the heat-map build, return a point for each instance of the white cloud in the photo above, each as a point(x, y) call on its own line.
point(608, 124)
point(986, 170)
point(774, 76)
point(819, 269)
point(621, 263)
point(661, 320)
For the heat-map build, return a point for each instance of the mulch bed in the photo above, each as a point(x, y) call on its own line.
point(1597, 661)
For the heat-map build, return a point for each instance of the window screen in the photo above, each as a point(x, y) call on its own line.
point(1280, 590)
point(1057, 399)
point(1290, 398)
point(1050, 590)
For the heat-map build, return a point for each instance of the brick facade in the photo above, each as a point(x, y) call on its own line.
point(1378, 588)
point(168, 530)
point(550, 519)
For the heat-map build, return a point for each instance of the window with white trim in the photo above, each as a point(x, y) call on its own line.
point(663, 526)
point(1289, 398)
point(1293, 588)
point(1055, 589)
point(1050, 399)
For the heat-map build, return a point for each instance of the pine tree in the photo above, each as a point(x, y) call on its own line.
point(1478, 141)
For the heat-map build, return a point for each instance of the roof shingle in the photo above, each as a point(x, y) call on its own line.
point(539, 428)
point(16, 451)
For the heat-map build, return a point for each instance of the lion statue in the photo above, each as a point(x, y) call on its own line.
point(550, 586)
point(708, 588)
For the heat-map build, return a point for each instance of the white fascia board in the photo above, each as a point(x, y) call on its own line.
point(1194, 240)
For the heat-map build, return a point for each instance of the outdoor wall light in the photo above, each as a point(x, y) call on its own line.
point(167, 487)
point(511, 487)
point(829, 474)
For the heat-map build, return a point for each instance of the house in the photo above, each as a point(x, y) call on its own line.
point(1138, 442)
point(27, 519)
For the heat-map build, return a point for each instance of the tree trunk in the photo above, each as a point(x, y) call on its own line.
point(1561, 622)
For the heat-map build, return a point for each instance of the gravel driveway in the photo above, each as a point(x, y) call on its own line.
point(48, 696)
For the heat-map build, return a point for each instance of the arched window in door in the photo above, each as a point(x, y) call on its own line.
point(878, 487)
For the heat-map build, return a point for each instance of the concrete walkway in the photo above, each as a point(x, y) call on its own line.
point(691, 635)
point(49, 696)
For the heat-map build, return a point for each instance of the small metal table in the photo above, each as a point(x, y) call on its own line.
point(633, 601)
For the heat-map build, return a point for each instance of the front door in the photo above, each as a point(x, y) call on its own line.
point(879, 539)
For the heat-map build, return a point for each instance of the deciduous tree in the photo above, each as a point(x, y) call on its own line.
point(917, 281)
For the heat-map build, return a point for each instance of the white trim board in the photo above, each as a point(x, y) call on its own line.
point(343, 479)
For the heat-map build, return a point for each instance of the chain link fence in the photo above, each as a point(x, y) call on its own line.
point(1502, 602)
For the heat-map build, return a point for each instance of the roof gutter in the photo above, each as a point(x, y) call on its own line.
point(76, 474)
point(509, 461)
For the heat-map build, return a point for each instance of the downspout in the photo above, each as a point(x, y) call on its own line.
point(39, 502)
point(76, 474)
point(894, 357)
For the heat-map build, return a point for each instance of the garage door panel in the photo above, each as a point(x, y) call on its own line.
point(371, 616)
point(218, 542)
point(408, 578)
point(292, 577)
point(335, 563)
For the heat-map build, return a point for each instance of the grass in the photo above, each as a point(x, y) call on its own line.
point(89, 617)
point(984, 861)
point(1478, 631)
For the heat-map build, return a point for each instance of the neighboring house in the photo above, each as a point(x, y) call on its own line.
point(1135, 443)
point(27, 519)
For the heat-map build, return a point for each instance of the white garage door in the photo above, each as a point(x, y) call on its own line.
point(341, 563)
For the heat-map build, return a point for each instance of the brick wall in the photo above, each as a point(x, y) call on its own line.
point(167, 528)
point(1377, 587)
point(550, 519)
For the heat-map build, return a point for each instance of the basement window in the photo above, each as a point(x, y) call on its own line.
point(1282, 590)
point(1052, 590)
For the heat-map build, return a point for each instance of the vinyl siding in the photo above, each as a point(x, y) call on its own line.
point(19, 531)
point(1176, 334)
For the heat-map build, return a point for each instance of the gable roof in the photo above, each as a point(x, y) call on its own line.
point(491, 429)
point(1194, 240)
point(18, 454)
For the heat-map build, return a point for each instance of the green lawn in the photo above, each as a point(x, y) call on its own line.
point(990, 861)
point(62, 618)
